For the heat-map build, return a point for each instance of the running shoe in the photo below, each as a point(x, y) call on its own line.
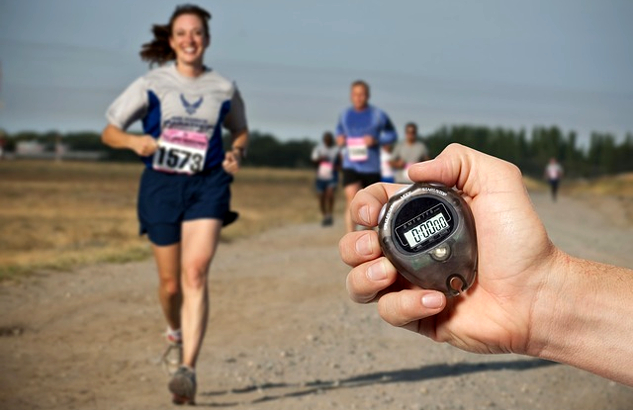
point(172, 358)
point(183, 386)
point(327, 220)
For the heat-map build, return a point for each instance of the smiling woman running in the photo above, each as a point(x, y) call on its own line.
point(184, 192)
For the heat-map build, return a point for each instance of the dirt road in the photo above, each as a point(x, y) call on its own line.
point(282, 335)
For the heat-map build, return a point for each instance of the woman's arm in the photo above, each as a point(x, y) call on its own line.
point(239, 146)
point(114, 137)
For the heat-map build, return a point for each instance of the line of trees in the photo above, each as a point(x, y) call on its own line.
point(604, 155)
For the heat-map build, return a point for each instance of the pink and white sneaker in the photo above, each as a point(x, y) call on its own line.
point(172, 358)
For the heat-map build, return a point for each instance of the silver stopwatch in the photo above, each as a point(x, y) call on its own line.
point(427, 231)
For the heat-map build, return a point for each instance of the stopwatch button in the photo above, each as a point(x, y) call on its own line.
point(441, 253)
point(382, 213)
point(401, 190)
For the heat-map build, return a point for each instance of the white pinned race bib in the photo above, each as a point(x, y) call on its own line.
point(357, 149)
point(181, 152)
point(325, 171)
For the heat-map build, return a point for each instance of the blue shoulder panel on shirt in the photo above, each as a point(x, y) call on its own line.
point(151, 121)
point(215, 152)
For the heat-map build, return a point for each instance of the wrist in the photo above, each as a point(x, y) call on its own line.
point(550, 310)
point(589, 318)
point(239, 152)
point(579, 312)
point(134, 142)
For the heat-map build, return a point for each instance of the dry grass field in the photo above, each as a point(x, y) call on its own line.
point(619, 187)
point(60, 215)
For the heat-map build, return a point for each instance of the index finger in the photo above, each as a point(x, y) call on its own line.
point(469, 170)
point(366, 205)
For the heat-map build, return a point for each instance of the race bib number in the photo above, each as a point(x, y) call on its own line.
point(181, 152)
point(357, 149)
point(325, 171)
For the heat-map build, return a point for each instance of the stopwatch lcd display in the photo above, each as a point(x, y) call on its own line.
point(419, 230)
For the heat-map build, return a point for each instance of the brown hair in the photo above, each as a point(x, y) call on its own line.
point(158, 50)
point(362, 84)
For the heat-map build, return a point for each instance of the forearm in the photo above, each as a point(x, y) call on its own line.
point(239, 140)
point(584, 317)
point(234, 157)
point(397, 163)
point(117, 138)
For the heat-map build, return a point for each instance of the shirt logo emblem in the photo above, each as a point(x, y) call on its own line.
point(191, 108)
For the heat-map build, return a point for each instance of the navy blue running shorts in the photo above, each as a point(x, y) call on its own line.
point(322, 185)
point(166, 200)
point(352, 177)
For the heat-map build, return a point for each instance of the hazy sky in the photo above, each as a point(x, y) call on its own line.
point(505, 62)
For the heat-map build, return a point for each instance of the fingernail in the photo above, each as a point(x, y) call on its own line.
point(377, 272)
point(432, 300)
point(363, 213)
point(363, 245)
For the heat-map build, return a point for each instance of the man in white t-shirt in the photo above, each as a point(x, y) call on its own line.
point(408, 152)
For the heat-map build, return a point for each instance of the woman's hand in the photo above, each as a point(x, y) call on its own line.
point(115, 137)
point(144, 145)
point(232, 161)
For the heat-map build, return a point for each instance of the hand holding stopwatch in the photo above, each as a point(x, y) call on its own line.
point(427, 231)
